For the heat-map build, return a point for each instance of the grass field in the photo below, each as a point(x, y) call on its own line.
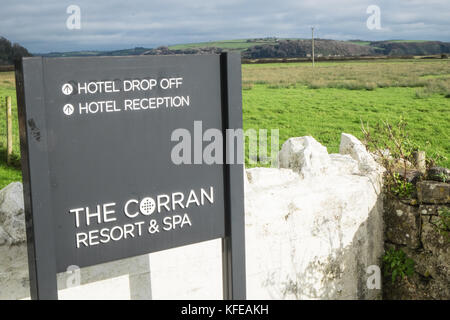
point(240, 44)
point(323, 102)
point(8, 173)
point(335, 96)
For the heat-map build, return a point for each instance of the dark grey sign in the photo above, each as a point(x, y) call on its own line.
point(99, 180)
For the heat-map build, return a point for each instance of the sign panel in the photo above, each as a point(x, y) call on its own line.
point(98, 137)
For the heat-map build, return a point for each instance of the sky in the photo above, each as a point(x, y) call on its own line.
point(41, 25)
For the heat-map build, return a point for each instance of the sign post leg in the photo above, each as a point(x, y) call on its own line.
point(233, 244)
point(34, 157)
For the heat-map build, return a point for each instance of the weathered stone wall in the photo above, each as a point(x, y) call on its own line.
point(313, 227)
point(415, 226)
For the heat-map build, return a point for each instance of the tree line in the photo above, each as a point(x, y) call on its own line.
point(11, 51)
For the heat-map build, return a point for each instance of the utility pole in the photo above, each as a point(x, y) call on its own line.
point(312, 37)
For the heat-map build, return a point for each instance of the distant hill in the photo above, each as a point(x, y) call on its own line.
point(303, 48)
point(124, 52)
point(10, 51)
point(293, 48)
point(327, 48)
point(415, 48)
point(283, 48)
point(132, 52)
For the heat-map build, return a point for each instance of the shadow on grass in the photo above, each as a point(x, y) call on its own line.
point(9, 173)
point(14, 161)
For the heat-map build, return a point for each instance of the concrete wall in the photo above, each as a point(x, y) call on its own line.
point(313, 227)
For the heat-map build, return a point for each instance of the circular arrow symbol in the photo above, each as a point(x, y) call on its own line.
point(67, 89)
point(68, 109)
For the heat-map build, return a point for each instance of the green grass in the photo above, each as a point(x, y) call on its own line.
point(241, 44)
point(436, 76)
point(361, 43)
point(335, 96)
point(325, 113)
point(363, 73)
point(407, 41)
point(8, 173)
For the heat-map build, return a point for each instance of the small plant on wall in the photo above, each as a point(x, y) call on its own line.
point(397, 265)
point(443, 223)
point(394, 149)
point(399, 187)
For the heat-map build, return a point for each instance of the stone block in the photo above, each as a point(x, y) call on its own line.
point(438, 174)
point(433, 192)
point(402, 222)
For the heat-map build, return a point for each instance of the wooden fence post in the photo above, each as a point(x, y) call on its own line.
point(9, 143)
point(420, 161)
